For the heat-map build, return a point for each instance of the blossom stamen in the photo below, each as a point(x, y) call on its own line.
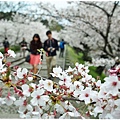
point(86, 95)
point(114, 83)
point(25, 103)
point(49, 84)
point(38, 97)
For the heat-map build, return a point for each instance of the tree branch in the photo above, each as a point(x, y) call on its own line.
point(115, 5)
point(94, 28)
point(108, 29)
point(92, 4)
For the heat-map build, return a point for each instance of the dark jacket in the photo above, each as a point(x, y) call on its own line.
point(23, 44)
point(34, 46)
point(6, 44)
point(53, 44)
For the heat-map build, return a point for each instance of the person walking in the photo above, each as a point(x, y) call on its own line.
point(35, 44)
point(6, 45)
point(23, 46)
point(50, 46)
point(62, 43)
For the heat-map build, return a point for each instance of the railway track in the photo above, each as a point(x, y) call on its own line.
point(17, 62)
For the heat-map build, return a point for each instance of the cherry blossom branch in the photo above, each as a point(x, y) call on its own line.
point(94, 28)
point(108, 24)
point(74, 99)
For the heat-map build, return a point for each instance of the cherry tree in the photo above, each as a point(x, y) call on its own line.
point(91, 24)
point(99, 31)
point(49, 99)
point(6, 29)
point(7, 8)
point(22, 26)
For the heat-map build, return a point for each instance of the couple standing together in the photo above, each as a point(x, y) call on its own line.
point(50, 46)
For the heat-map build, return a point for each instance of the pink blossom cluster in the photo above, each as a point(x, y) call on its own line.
point(49, 100)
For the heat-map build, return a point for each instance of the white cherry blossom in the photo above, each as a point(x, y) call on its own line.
point(2, 69)
point(9, 100)
point(112, 85)
point(69, 69)
point(1, 56)
point(11, 53)
point(27, 90)
point(56, 71)
point(67, 115)
point(59, 108)
point(48, 85)
point(21, 72)
point(48, 116)
point(30, 78)
point(85, 95)
point(38, 98)
point(25, 116)
point(2, 101)
point(23, 105)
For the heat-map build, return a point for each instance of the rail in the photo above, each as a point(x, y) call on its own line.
point(64, 58)
point(17, 62)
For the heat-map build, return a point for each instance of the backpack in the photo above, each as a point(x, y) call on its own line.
point(61, 45)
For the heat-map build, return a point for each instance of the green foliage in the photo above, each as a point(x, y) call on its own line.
point(85, 53)
point(78, 57)
point(53, 26)
point(95, 74)
point(2, 50)
point(45, 22)
point(86, 57)
point(15, 48)
point(6, 15)
point(73, 57)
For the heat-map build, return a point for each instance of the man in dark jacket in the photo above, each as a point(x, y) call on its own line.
point(23, 45)
point(50, 46)
point(6, 45)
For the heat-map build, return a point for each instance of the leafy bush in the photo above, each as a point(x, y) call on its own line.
point(15, 48)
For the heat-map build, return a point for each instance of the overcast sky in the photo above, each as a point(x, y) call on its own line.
point(58, 3)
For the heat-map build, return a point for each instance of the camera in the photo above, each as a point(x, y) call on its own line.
point(51, 49)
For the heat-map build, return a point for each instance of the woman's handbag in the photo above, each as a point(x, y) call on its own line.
point(27, 59)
